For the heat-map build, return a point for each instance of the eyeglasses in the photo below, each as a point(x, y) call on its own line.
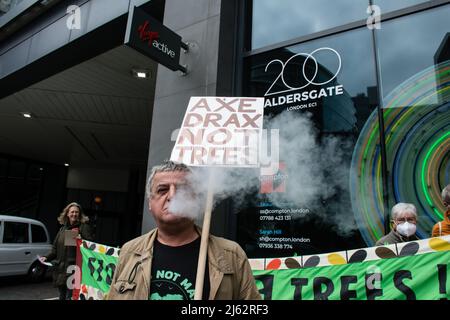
point(163, 189)
point(410, 220)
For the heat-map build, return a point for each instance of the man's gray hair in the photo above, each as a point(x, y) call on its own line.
point(166, 166)
point(402, 207)
point(446, 193)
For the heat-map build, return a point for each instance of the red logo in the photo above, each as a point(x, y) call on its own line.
point(274, 183)
point(145, 33)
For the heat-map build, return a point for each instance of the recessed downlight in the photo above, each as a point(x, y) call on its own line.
point(140, 73)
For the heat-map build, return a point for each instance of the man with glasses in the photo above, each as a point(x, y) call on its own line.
point(404, 220)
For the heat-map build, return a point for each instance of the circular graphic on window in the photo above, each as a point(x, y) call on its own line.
point(417, 134)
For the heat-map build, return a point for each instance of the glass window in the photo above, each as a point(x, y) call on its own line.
point(414, 65)
point(412, 44)
point(389, 5)
point(276, 21)
point(330, 85)
point(38, 234)
point(15, 232)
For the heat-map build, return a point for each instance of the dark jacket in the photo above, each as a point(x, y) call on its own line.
point(394, 237)
point(62, 256)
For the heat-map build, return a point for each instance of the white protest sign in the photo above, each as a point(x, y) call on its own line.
point(220, 131)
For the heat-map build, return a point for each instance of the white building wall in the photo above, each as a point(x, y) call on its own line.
point(197, 22)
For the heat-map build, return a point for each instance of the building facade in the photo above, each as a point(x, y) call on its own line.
point(372, 78)
point(357, 95)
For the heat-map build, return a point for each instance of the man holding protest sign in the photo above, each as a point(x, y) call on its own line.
point(186, 262)
point(162, 264)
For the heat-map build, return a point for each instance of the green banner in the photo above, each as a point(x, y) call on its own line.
point(422, 276)
point(419, 277)
point(97, 269)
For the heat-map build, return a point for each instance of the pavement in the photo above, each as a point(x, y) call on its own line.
point(19, 288)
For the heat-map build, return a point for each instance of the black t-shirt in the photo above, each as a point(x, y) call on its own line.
point(174, 270)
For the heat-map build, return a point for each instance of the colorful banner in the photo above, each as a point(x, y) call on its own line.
point(421, 277)
point(416, 270)
point(97, 269)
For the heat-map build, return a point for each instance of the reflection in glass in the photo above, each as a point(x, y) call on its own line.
point(389, 5)
point(276, 21)
point(331, 83)
point(417, 118)
point(416, 100)
point(408, 45)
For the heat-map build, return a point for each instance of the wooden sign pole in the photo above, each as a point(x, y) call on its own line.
point(204, 240)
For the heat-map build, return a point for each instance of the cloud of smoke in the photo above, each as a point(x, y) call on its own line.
point(317, 172)
point(187, 203)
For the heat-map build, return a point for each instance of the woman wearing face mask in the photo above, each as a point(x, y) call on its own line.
point(71, 218)
point(404, 220)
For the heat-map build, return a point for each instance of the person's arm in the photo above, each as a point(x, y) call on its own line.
point(86, 232)
point(248, 289)
point(53, 253)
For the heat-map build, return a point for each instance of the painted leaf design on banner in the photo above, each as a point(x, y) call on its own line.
point(274, 264)
point(110, 252)
point(439, 244)
point(312, 261)
point(409, 249)
point(385, 253)
point(292, 263)
point(336, 259)
point(358, 256)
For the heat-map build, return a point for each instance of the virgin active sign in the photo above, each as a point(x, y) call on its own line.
point(293, 80)
point(148, 36)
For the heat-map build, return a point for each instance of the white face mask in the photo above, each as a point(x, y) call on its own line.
point(406, 229)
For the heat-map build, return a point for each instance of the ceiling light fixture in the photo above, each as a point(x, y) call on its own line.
point(66, 164)
point(26, 115)
point(140, 73)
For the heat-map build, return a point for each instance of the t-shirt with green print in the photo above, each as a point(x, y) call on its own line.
point(174, 270)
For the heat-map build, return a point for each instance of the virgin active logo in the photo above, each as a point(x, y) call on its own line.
point(308, 80)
